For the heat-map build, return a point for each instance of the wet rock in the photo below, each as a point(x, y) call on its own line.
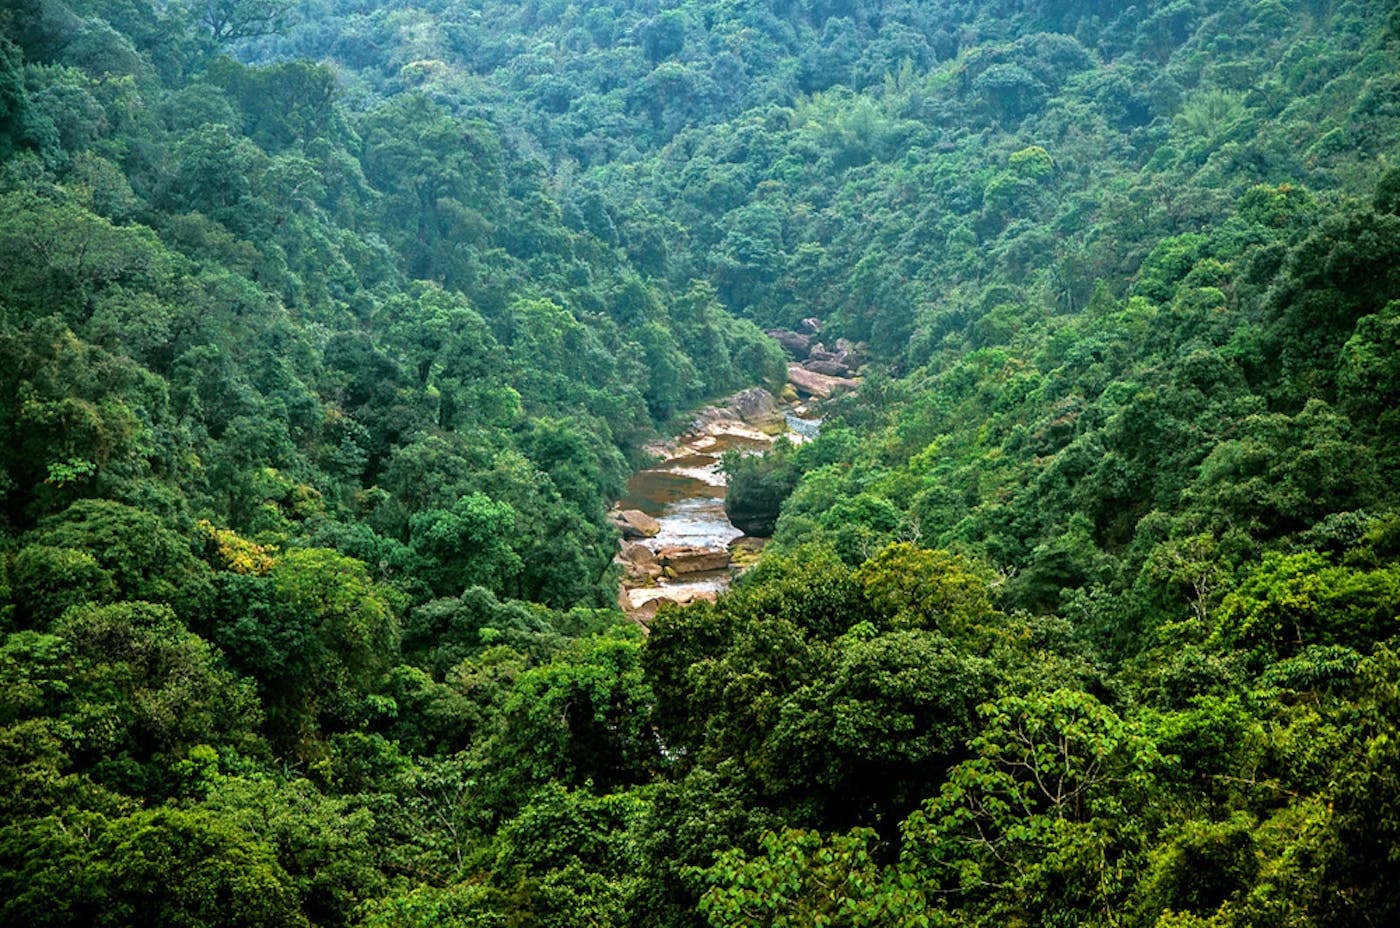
point(633, 523)
point(686, 559)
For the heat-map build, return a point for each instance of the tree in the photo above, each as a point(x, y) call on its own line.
point(145, 689)
point(915, 588)
point(756, 487)
point(805, 878)
point(1286, 602)
point(230, 20)
point(1009, 91)
point(192, 868)
point(18, 120)
point(322, 843)
point(863, 742)
point(352, 620)
point(58, 257)
point(583, 717)
point(1036, 820)
point(45, 581)
point(1368, 376)
point(663, 36)
point(316, 632)
point(467, 545)
point(570, 857)
point(440, 634)
point(144, 557)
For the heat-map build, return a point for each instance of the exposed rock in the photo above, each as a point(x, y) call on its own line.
point(745, 550)
point(812, 325)
point(850, 352)
point(819, 385)
point(633, 523)
point(847, 354)
point(794, 344)
point(643, 613)
point(661, 448)
point(644, 574)
point(754, 407)
point(686, 559)
point(830, 368)
point(644, 604)
point(686, 597)
point(639, 564)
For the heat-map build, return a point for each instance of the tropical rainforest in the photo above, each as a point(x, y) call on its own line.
point(331, 329)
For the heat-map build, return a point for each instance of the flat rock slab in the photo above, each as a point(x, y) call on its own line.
point(827, 367)
point(685, 559)
point(647, 601)
point(633, 523)
point(819, 385)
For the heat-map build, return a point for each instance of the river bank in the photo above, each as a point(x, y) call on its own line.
point(678, 544)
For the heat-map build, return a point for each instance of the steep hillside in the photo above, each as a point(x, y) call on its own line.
point(330, 330)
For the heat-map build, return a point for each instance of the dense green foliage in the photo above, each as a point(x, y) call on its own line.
point(329, 331)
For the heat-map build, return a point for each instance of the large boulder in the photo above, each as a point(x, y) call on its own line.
point(753, 407)
point(794, 344)
point(850, 352)
point(633, 523)
point(689, 559)
point(639, 563)
point(819, 385)
point(829, 367)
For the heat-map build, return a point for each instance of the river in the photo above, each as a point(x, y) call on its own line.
point(685, 494)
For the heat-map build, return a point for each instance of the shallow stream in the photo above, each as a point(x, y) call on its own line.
point(686, 495)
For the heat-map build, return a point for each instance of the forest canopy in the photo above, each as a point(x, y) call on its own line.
point(330, 332)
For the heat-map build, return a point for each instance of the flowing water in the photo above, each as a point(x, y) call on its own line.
point(686, 495)
point(807, 428)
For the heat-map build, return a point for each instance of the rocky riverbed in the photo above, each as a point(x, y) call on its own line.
point(677, 543)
